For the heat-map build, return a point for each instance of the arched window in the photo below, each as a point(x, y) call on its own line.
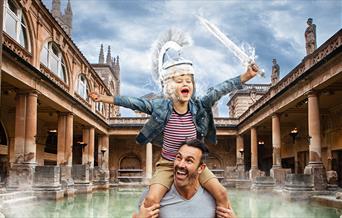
point(14, 24)
point(52, 58)
point(82, 87)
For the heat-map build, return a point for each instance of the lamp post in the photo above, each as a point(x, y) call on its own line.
point(294, 134)
point(241, 155)
point(103, 151)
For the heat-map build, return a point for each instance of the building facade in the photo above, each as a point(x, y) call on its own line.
point(56, 140)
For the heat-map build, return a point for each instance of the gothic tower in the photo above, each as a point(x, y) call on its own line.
point(56, 8)
point(64, 20)
point(109, 71)
point(67, 18)
point(101, 55)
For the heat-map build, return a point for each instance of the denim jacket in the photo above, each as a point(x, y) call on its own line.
point(160, 111)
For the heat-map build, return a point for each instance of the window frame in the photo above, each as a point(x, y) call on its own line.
point(49, 49)
point(85, 87)
point(20, 28)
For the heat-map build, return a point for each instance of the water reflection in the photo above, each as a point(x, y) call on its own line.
point(115, 203)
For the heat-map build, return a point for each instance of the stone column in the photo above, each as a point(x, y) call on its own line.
point(69, 135)
point(31, 128)
point(254, 171)
point(25, 128)
point(61, 138)
point(85, 149)
point(88, 150)
point(276, 141)
point(149, 160)
point(104, 150)
point(91, 147)
point(315, 166)
point(24, 160)
point(240, 163)
point(276, 171)
point(102, 173)
point(239, 148)
point(64, 151)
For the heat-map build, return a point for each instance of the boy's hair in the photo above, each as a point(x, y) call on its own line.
point(196, 143)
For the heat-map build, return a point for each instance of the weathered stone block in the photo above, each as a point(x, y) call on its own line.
point(20, 177)
point(263, 183)
point(339, 195)
point(318, 172)
point(332, 177)
point(47, 176)
point(279, 174)
point(80, 173)
point(299, 182)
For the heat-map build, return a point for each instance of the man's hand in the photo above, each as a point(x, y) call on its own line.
point(223, 212)
point(250, 73)
point(147, 212)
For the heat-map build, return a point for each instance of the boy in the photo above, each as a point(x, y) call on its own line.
point(178, 117)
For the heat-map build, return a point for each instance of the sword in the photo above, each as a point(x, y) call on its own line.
point(236, 50)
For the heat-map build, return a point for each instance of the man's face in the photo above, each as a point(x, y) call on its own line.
point(184, 87)
point(187, 166)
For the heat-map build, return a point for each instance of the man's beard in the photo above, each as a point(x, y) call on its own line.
point(192, 177)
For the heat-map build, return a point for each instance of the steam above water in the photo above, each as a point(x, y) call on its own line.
point(118, 203)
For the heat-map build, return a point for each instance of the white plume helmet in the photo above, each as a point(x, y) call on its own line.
point(167, 60)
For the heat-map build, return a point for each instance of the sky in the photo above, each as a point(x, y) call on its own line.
point(275, 29)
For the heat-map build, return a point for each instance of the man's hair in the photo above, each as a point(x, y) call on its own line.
point(196, 143)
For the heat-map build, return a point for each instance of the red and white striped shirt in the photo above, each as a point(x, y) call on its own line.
point(178, 129)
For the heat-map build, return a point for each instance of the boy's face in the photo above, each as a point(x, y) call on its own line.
point(184, 87)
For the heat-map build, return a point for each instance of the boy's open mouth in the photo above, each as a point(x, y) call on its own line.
point(185, 90)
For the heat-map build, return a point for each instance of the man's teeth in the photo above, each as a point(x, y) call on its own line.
point(181, 172)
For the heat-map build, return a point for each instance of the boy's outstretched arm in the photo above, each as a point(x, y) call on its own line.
point(250, 73)
point(215, 93)
point(139, 104)
point(103, 98)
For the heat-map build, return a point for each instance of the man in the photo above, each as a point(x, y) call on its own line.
point(186, 197)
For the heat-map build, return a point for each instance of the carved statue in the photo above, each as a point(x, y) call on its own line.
point(310, 37)
point(275, 72)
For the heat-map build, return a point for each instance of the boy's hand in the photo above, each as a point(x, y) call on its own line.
point(147, 212)
point(250, 73)
point(223, 212)
point(94, 96)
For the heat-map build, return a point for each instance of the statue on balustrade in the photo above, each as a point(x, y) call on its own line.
point(310, 37)
point(275, 72)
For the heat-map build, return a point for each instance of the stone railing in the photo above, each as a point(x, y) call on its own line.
point(82, 100)
point(53, 77)
point(225, 122)
point(128, 121)
point(16, 48)
point(140, 121)
point(258, 87)
point(309, 61)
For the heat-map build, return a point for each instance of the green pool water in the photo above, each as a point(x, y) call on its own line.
point(116, 203)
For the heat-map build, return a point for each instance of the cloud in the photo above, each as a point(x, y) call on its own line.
point(274, 28)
